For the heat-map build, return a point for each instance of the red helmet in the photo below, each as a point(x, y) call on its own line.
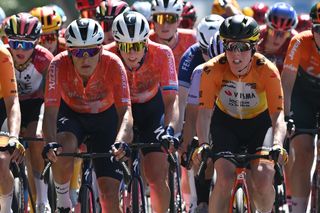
point(109, 9)
point(260, 10)
point(87, 4)
point(188, 16)
point(304, 22)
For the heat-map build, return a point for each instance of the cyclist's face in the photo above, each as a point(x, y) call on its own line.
point(277, 38)
point(132, 58)
point(108, 37)
point(166, 30)
point(50, 41)
point(20, 55)
point(86, 64)
point(238, 58)
point(316, 33)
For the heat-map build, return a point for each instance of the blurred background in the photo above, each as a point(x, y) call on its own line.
point(203, 6)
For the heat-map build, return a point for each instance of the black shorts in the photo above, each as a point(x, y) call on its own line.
point(305, 101)
point(146, 118)
point(231, 135)
point(30, 111)
point(102, 130)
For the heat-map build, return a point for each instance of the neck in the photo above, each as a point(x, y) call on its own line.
point(171, 42)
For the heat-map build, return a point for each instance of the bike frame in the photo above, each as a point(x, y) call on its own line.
point(240, 182)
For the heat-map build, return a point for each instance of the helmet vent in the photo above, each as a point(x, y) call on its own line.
point(119, 28)
point(142, 27)
point(71, 32)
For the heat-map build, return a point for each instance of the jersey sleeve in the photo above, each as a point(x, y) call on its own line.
point(208, 88)
point(186, 67)
point(168, 82)
point(121, 91)
point(42, 59)
point(52, 89)
point(8, 83)
point(273, 87)
point(293, 54)
point(193, 96)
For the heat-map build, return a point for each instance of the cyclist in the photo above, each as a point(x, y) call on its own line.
point(247, 11)
point(246, 90)
point(2, 18)
point(31, 62)
point(259, 12)
point(188, 16)
point(166, 15)
point(143, 7)
point(153, 89)
point(304, 22)
point(51, 24)
point(87, 94)
point(193, 56)
point(106, 13)
point(9, 95)
point(203, 188)
point(225, 8)
point(87, 8)
point(300, 79)
point(281, 20)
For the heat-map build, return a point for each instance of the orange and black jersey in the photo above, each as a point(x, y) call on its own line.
point(245, 97)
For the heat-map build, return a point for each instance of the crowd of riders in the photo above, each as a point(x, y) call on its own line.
point(231, 79)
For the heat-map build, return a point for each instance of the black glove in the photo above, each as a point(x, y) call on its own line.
point(46, 148)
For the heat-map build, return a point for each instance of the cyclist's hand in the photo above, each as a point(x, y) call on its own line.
point(290, 125)
point(197, 155)
point(283, 155)
point(120, 151)
point(167, 139)
point(50, 150)
point(19, 151)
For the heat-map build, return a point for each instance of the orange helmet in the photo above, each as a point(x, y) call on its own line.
point(51, 21)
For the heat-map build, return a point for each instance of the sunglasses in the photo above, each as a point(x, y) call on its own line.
point(106, 25)
point(25, 45)
point(48, 38)
point(278, 33)
point(84, 52)
point(165, 18)
point(316, 28)
point(126, 47)
point(237, 46)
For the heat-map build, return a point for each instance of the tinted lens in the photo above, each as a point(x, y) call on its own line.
point(165, 18)
point(316, 28)
point(278, 33)
point(88, 52)
point(25, 45)
point(237, 46)
point(126, 47)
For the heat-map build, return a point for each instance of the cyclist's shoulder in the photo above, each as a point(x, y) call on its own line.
point(159, 49)
point(42, 54)
point(303, 36)
point(216, 65)
point(4, 54)
point(263, 66)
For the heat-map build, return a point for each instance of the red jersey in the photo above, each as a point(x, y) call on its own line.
point(278, 56)
point(157, 71)
point(107, 85)
point(30, 80)
point(186, 38)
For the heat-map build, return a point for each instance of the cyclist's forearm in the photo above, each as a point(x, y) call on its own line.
point(189, 128)
point(125, 132)
point(279, 127)
point(49, 125)
point(171, 110)
point(183, 95)
point(14, 115)
point(288, 78)
point(203, 125)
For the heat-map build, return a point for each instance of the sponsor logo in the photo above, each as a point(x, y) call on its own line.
point(294, 49)
point(52, 76)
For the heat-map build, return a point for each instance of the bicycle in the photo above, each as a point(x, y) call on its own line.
point(87, 197)
point(240, 199)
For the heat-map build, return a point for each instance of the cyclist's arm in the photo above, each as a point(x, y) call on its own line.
point(125, 132)
point(279, 127)
point(49, 125)
point(171, 110)
point(189, 128)
point(13, 114)
point(203, 124)
point(183, 95)
point(288, 77)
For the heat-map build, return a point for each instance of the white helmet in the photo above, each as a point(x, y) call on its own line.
point(143, 7)
point(207, 27)
point(167, 6)
point(84, 32)
point(130, 27)
point(216, 45)
point(2, 15)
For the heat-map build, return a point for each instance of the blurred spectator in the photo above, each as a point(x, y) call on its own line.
point(87, 8)
point(225, 8)
point(247, 11)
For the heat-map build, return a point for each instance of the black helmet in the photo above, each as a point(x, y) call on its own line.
point(315, 13)
point(240, 28)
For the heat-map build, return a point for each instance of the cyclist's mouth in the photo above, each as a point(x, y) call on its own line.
point(20, 56)
point(237, 61)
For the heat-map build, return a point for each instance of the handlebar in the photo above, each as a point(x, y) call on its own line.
point(240, 160)
point(86, 155)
